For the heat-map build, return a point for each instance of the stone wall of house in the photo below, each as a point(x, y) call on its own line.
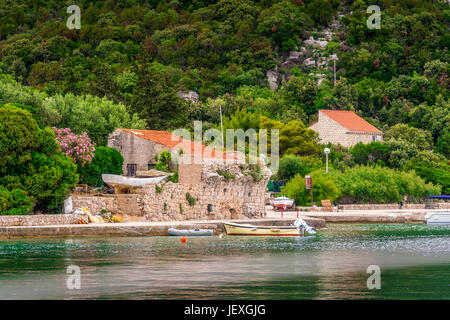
point(39, 220)
point(190, 173)
point(135, 150)
point(331, 131)
point(212, 197)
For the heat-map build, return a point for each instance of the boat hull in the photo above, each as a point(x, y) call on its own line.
point(234, 229)
point(114, 180)
point(438, 218)
point(186, 232)
point(282, 203)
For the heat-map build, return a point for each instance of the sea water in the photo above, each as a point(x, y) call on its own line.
point(413, 259)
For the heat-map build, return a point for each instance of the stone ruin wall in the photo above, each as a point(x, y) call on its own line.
point(215, 197)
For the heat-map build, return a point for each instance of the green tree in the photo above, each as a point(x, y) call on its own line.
point(320, 11)
point(363, 184)
point(96, 116)
point(291, 165)
point(323, 188)
point(374, 153)
point(106, 160)
point(31, 161)
point(294, 137)
point(156, 100)
point(418, 137)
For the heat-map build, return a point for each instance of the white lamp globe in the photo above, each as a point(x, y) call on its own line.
point(326, 150)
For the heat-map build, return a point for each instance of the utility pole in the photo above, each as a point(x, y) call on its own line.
point(334, 57)
point(221, 125)
point(334, 72)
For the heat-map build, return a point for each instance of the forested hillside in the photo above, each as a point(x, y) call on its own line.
point(163, 64)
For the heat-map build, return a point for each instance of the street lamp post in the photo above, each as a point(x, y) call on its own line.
point(327, 151)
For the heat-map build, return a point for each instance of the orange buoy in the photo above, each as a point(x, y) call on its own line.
point(183, 239)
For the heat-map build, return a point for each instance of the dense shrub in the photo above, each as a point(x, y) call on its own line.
point(32, 169)
point(432, 167)
point(291, 165)
point(14, 202)
point(106, 160)
point(78, 147)
point(323, 188)
point(380, 185)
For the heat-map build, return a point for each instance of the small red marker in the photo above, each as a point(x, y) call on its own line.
point(183, 239)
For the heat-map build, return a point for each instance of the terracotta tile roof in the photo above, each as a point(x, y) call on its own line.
point(171, 140)
point(351, 121)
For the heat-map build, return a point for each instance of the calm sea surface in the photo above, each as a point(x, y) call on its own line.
point(414, 260)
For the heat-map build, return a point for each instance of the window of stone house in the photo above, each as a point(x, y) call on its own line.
point(374, 138)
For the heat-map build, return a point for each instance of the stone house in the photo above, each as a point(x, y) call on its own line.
point(203, 190)
point(345, 128)
point(200, 194)
point(139, 147)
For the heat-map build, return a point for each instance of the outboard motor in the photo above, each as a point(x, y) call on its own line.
point(300, 223)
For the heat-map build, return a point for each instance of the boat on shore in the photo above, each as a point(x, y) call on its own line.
point(190, 232)
point(299, 228)
point(439, 217)
point(282, 202)
point(115, 180)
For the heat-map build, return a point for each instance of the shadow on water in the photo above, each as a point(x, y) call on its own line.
point(414, 262)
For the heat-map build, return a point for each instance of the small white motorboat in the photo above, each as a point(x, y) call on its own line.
point(115, 180)
point(281, 202)
point(438, 217)
point(297, 229)
point(190, 232)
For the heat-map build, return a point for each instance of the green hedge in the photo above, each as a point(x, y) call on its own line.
point(14, 202)
point(323, 188)
point(363, 184)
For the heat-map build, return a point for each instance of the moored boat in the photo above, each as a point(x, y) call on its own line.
point(439, 217)
point(282, 202)
point(297, 229)
point(190, 232)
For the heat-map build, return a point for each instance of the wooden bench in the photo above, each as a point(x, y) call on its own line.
point(326, 205)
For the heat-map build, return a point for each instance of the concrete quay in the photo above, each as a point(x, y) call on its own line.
point(359, 216)
point(135, 229)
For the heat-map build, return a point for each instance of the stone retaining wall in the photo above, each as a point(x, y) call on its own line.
point(394, 206)
point(386, 206)
point(39, 220)
point(118, 203)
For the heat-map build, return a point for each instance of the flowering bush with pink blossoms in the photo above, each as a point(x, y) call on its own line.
point(78, 147)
